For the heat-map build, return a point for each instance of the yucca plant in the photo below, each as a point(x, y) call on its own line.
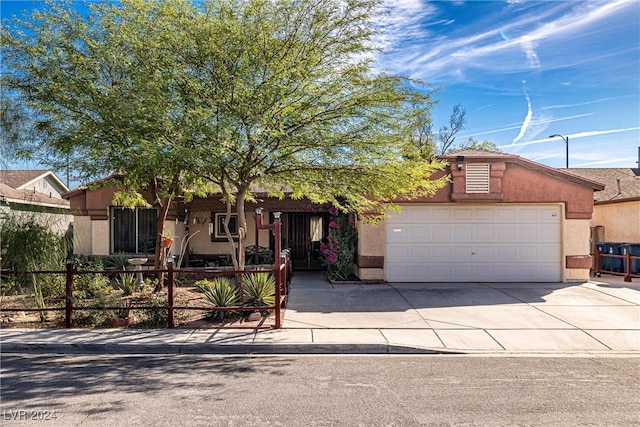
point(127, 283)
point(218, 292)
point(259, 290)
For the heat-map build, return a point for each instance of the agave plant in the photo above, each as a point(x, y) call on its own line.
point(127, 282)
point(259, 290)
point(218, 292)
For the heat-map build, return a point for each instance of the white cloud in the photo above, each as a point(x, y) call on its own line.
point(572, 136)
point(595, 101)
point(415, 51)
point(529, 49)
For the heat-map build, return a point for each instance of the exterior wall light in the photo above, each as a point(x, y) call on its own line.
point(460, 160)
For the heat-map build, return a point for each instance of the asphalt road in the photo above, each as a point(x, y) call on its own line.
point(196, 390)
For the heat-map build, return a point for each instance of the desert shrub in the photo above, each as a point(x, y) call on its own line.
point(218, 292)
point(8, 285)
point(127, 283)
point(259, 289)
point(50, 284)
point(119, 261)
point(155, 318)
point(99, 317)
point(92, 285)
point(28, 242)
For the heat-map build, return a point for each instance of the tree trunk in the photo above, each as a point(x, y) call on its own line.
point(161, 252)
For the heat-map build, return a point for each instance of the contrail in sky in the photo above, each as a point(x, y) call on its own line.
point(527, 119)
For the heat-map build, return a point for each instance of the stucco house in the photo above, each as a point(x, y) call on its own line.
point(102, 229)
point(502, 218)
point(616, 211)
point(35, 192)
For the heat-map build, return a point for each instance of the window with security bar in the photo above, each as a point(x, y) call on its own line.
point(477, 178)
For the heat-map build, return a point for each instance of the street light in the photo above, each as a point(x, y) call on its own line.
point(566, 141)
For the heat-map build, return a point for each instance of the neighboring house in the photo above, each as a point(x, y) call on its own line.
point(35, 192)
point(502, 218)
point(616, 211)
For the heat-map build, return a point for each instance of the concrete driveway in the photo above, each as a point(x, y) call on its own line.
point(596, 316)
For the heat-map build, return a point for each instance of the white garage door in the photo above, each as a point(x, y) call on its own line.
point(474, 243)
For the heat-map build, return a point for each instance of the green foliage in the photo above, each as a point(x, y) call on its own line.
point(92, 285)
point(222, 96)
point(259, 289)
point(218, 292)
point(51, 284)
point(28, 243)
point(338, 252)
point(119, 261)
point(155, 318)
point(127, 283)
point(99, 317)
point(8, 285)
point(485, 145)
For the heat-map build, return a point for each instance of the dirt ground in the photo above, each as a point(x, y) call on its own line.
point(185, 296)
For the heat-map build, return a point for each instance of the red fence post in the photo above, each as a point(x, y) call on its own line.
point(68, 291)
point(277, 259)
point(275, 229)
point(170, 296)
point(627, 277)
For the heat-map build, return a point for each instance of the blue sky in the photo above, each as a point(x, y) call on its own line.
point(523, 70)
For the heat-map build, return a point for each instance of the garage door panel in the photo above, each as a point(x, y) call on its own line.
point(507, 233)
point(463, 233)
point(417, 254)
point(475, 242)
point(397, 253)
point(549, 233)
point(441, 234)
point(440, 214)
point(397, 234)
point(484, 254)
point(418, 233)
point(441, 253)
point(507, 253)
point(485, 214)
point(506, 214)
point(461, 254)
point(463, 214)
point(485, 234)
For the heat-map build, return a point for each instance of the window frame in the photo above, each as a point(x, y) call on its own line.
point(218, 233)
point(137, 229)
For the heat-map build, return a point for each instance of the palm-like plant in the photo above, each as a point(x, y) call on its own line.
point(259, 290)
point(218, 292)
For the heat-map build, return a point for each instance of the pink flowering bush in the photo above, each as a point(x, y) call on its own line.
point(339, 249)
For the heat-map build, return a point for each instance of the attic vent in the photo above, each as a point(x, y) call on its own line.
point(477, 177)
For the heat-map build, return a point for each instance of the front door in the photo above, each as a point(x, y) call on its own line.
point(303, 233)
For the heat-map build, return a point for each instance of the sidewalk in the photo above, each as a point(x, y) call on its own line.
point(600, 317)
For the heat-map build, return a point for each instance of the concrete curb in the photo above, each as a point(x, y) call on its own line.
point(214, 349)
